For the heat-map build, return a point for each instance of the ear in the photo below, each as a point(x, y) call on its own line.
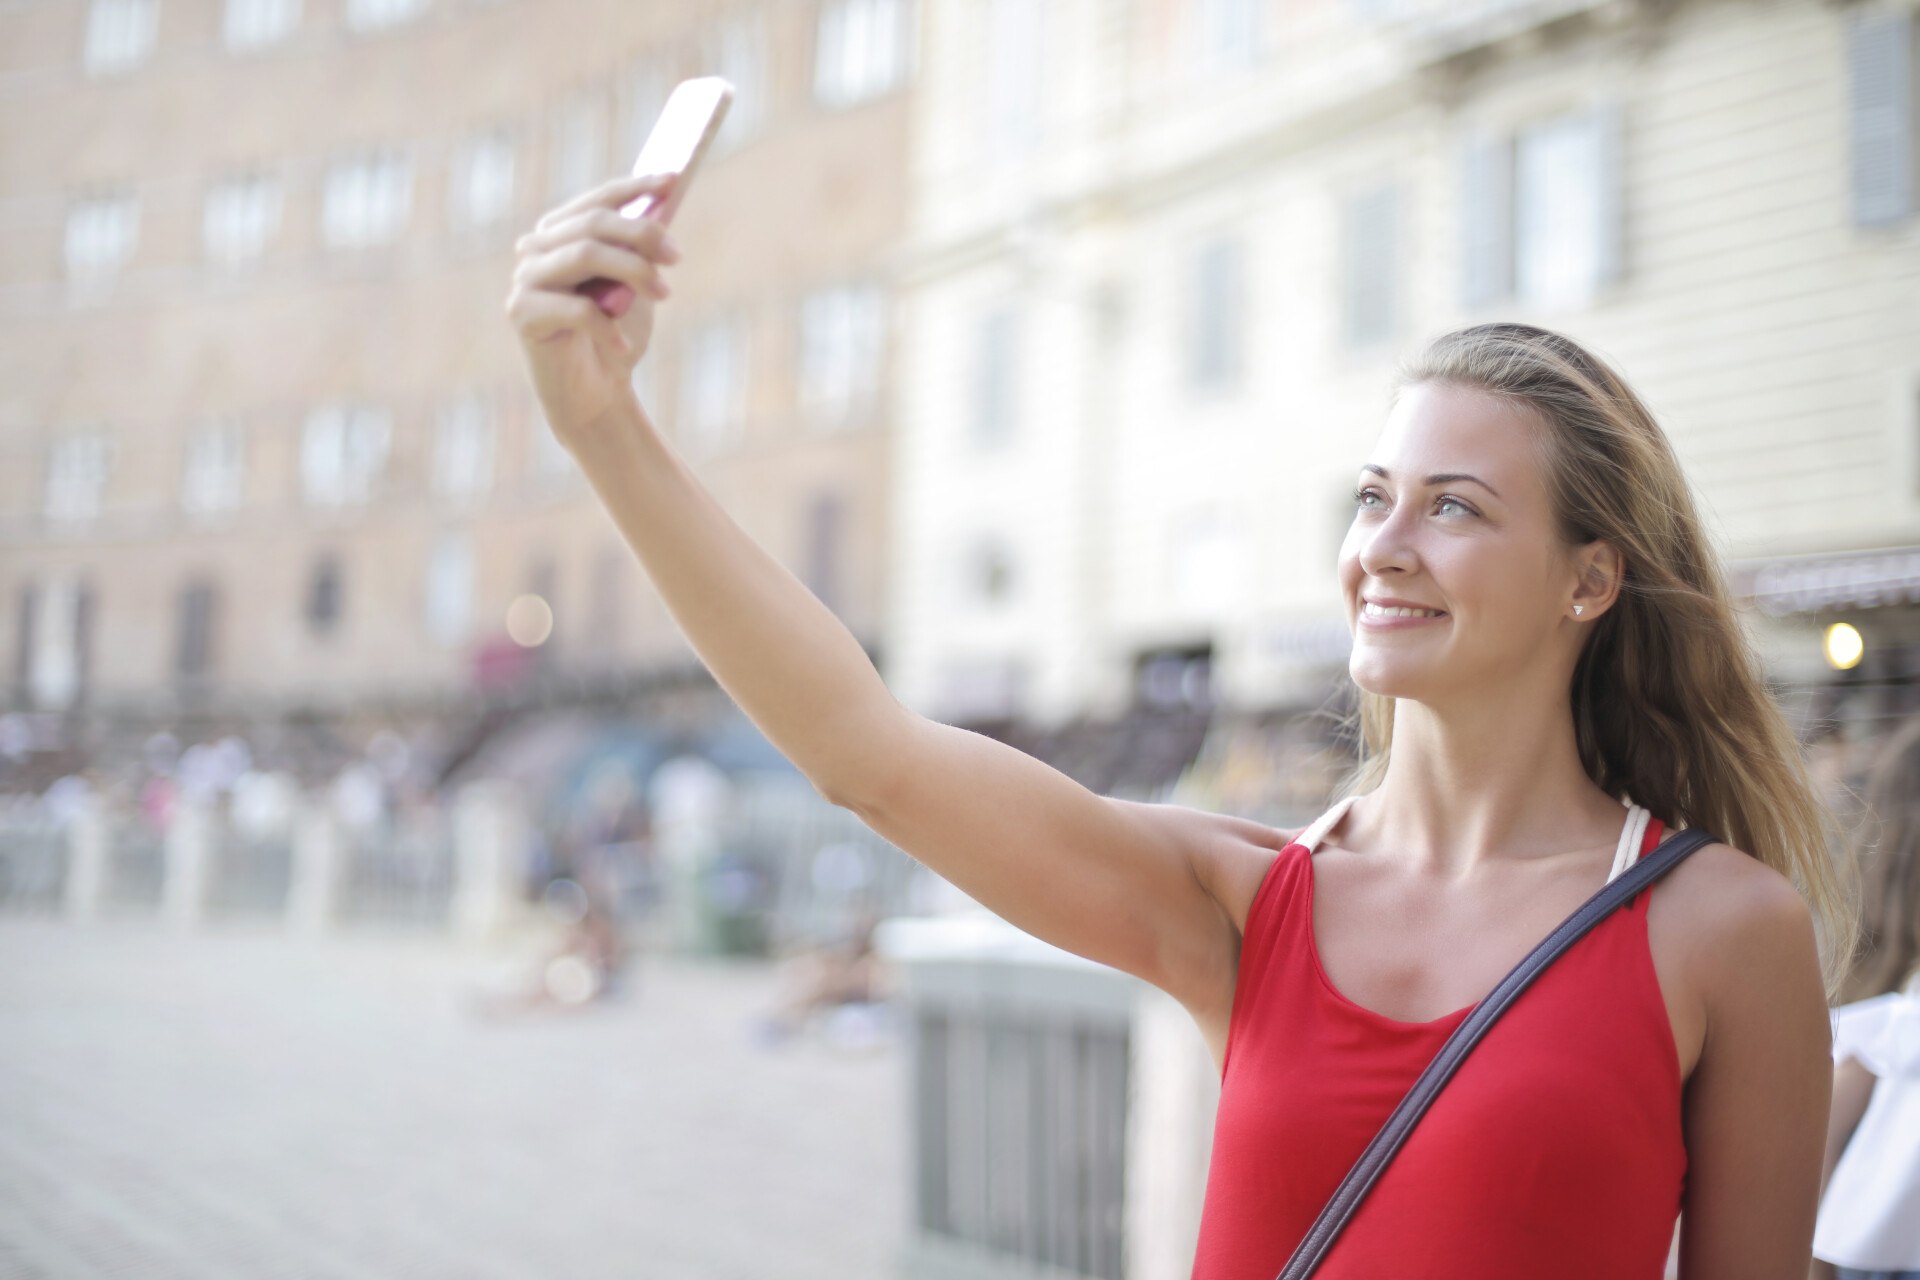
point(1599, 571)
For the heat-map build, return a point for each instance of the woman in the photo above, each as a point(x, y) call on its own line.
point(1869, 1227)
point(1584, 650)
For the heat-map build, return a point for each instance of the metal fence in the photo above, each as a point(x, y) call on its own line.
point(1019, 1127)
point(820, 858)
point(33, 862)
point(136, 864)
point(402, 873)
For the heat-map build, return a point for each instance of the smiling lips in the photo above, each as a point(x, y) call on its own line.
point(1394, 616)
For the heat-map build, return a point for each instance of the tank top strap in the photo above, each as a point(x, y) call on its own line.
point(1632, 837)
point(1633, 834)
point(1317, 830)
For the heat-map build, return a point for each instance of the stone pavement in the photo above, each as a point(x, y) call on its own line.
point(240, 1104)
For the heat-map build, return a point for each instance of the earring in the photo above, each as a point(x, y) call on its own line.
point(1579, 609)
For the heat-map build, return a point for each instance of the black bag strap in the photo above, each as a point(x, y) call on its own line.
point(1373, 1161)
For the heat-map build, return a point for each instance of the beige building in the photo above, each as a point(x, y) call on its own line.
point(268, 444)
point(1156, 286)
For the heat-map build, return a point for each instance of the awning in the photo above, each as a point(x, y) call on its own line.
point(1867, 579)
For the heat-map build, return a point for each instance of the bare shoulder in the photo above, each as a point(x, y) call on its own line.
point(1731, 905)
point(1227, 856)
point(1233, 865)
point(1746, 941)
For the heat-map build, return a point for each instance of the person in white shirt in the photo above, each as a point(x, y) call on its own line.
point(1869, 1222)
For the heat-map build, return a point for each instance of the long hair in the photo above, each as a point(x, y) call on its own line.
point(1671, 707)
point(1889, 854)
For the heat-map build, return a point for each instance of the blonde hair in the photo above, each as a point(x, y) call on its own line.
point(1670, 705)
point(1889, 859)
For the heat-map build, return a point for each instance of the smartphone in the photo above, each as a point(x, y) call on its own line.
point(678, 140)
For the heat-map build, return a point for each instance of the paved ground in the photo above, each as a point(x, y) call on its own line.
point(237, 1104)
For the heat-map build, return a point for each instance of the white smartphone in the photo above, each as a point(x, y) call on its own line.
point(676, 143)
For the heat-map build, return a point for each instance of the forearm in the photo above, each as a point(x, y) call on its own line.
point(790, 664)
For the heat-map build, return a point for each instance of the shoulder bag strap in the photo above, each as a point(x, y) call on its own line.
point(1373, 1161)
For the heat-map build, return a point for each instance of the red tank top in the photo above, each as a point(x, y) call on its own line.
point(1555, 1150)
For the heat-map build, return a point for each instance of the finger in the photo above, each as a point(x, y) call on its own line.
point(539, 315)
point(543, 317)
point(610, 194)
point(572, 265)
point(644, 236)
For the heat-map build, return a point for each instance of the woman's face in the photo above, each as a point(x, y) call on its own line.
point(1483, 550)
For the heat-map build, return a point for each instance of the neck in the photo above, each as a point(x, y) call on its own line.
point(1497, 782)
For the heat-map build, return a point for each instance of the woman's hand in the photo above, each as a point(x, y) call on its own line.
point(581, 349)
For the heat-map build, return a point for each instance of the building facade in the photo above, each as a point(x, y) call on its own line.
point(269, 446)
point(1155, 289)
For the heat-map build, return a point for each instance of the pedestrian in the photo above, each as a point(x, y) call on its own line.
point(1869, 1226)
point(1551, 675)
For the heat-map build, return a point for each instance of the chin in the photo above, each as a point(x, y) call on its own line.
point(1386, 677)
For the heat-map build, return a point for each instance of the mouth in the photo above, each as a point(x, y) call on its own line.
point(1394, 617)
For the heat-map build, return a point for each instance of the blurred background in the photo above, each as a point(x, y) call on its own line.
point(386, 889)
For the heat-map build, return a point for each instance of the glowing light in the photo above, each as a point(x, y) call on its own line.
point(529, 621)
point(1843, 646)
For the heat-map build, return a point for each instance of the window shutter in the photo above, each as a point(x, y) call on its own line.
point(1880, 115)
point(1486, 217)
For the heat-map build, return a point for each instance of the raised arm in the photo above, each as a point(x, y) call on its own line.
point(1118, 882)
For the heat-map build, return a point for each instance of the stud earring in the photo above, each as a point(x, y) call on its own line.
point(1579, 609)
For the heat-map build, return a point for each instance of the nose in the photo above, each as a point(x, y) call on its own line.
point(1386, 543)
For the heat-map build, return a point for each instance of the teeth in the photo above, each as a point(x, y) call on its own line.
point(1376, 611)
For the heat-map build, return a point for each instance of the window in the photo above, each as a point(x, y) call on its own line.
point(739, 54)
point(119, 34)
point(77, 471)
point(1556, 176)
point(860, 50)
point(825, 541)
point(1370, 265)
point(1206, 558)
point(1226, 35)
point(59, 641)
point(374, 15)
point(480, 193)
point(988, 573)
point(450, 589)
point(193, 649)
point(463, 448)
point(996, 376)
point(579, 158)
point(1216, 321)
point(1880, 115)
point(255, 24)
point(713, 381)
point(324, 595)
point(215, 469)
point(1173, 679)
point(367, 199)
point(1012, 52)
point(101, 234)
point(841, 333)
point(342, 453)
point(1541, 209)
point(239, 219)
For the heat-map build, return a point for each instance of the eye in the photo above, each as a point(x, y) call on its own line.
point(1360, 497)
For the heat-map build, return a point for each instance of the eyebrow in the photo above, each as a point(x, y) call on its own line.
point(1442, 477)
